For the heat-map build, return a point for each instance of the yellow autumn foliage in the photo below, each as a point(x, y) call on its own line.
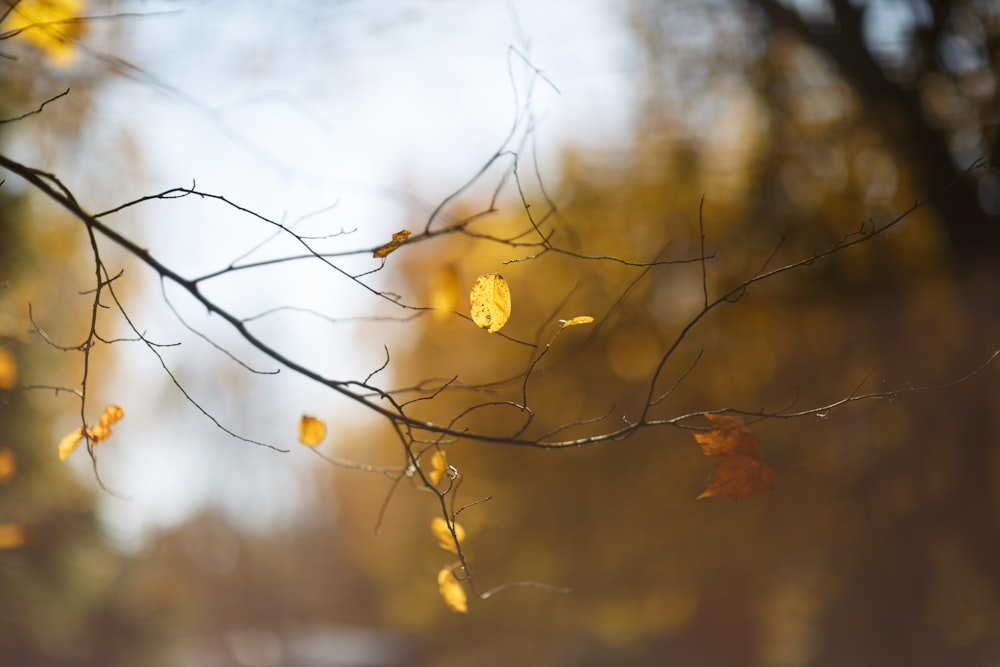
point(441, 531)
point(581, 319)
point(490, 302)
point(439, 463)
point(312, 431)
point(452, 591)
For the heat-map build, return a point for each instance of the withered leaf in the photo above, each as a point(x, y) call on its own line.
point(398, 239)
point(740, 472)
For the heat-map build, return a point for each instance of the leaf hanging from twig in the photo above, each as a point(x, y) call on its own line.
point(490, 302)
point(740, 472)
point(311, 431)
point(447, 541)
point(452, 591)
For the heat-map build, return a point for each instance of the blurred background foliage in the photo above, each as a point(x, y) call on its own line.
point(797, 122)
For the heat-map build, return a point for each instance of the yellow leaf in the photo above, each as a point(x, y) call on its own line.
point(440, 530)
point(102, 431)
point(12, 536)
point(439, 463)
point(8, 465)
point(490, 302)
point(398, 239)
point(99, 432)
point(111, 414)
point(69, 443)
point(311, 431)
point(582, 319)
point(52, 26)
point(8, 369)
point(452, 591)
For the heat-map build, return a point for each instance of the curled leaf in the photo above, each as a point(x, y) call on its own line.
point(311, 431)
point(452, 591)
point(439, 463)
point(69, 443)
point(398, 239)
point(112, 414)
point(102, 430)
point(490, 302)
point(740, 472)
point(581, 319)
point(441, 531)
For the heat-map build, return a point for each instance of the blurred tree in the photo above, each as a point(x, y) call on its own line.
point(880, 544)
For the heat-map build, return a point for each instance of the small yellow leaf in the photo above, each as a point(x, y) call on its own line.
point(99, 432)
point(8, 369)
point(398, 239)
point(111, 415)
point(452, 591)
point(439, 463)
point(490, 302)
point(69, 443)
point(582, 319)
point(311, 431)
point(12, 536)
point(102, 431)
point(440, 530)
point(8, 465)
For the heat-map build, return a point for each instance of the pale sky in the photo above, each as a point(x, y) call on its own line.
point(289, 107)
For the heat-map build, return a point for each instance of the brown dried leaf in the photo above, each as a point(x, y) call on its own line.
point(398, 239)
point(740, 472)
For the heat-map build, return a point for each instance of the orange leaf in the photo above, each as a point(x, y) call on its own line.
point(440, 530)
point(311, 431)
point(452, 591)
point(740, 472)
point(398, 239)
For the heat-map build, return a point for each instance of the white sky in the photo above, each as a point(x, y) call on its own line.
point(287, 107)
